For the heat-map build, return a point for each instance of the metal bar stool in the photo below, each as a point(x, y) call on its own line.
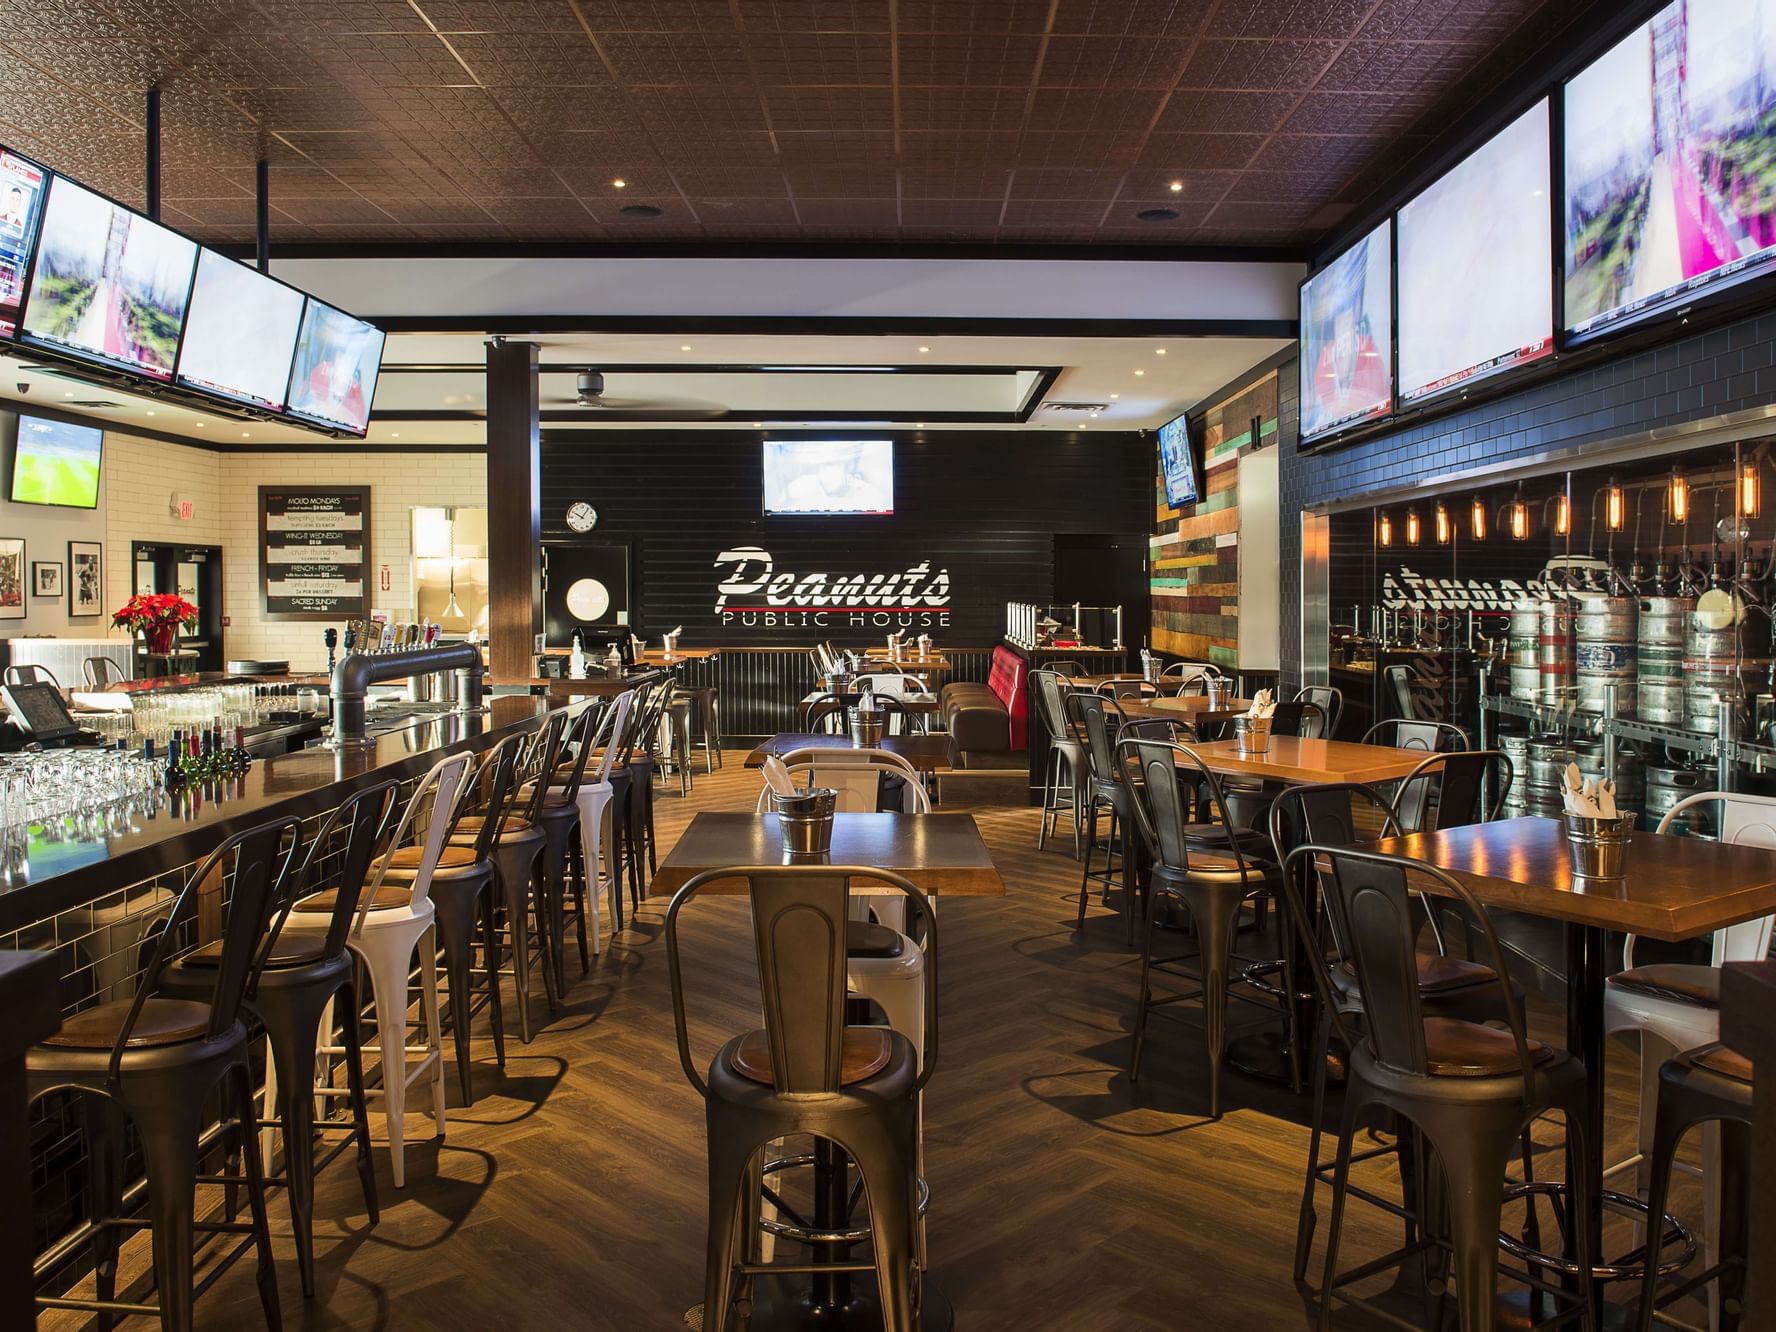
point(154, 1062)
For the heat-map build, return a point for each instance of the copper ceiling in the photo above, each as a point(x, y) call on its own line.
point(879, 121)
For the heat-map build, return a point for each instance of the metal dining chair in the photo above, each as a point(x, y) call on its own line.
point(101, 672)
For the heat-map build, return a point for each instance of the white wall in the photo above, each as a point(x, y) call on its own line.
point(397, 481)
point(141, 478)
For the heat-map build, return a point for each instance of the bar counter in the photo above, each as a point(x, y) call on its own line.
point(191, 820)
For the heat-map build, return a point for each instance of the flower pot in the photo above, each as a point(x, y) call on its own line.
point(160, 637)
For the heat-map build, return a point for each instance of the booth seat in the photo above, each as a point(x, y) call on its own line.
point(989, 723)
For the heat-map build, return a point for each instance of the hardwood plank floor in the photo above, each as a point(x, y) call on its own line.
point(571, 1194)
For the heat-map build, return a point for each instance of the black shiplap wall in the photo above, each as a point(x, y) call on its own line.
point(983, 504)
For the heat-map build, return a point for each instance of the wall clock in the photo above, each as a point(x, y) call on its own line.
point(581, 517)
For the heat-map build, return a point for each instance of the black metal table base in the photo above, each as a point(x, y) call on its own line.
point(785, 1304)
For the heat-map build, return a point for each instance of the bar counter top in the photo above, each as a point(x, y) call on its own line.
point(188, 822)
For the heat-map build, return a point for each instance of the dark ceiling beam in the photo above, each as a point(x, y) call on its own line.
point(152, 130)
point(496, 249)
point(836, 326)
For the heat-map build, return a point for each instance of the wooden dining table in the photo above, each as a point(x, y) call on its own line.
point(1293, 761)
point(941, 854)
point(1674, 888)
point(927, 753)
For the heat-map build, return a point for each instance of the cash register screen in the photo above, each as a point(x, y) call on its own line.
point(39, 711)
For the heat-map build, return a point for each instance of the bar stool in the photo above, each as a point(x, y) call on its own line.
point(706, 711)
point(101, 672)
point(154, 1062)
point(1465, 1091)
point(558, 816)
point(1214, 870)
point(1066, 753)
point(30, 674)
point(1100, 718)
point(855, 1089)
point(392, 918)
point(303, 979)
point(1712, 1087)
point(597, 861)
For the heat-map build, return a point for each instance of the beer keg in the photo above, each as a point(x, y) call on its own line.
point(1525, 650)
point(1554, 655)
point(1664, 621)
point(1548, 759)
point(1666, 785)
point(1516, 748)
point(1604, 643)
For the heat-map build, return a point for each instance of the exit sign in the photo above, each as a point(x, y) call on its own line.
point(186, 511)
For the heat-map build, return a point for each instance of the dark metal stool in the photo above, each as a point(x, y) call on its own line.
point(854, 1089)
point(706, 709)
point(557, 814)
point(1712, 1084)
point(1101, 718)
point(154, 1062)
point(302, 975)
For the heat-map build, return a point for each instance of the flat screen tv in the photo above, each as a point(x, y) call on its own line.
point(240, 333)
point(22, 183)
point(829, 476)
point(1476, 287)
point(1669, 180)
point(55, 462)
point(1347, 351)
point(333, 381)
point(1176, 463)
point(109, 286)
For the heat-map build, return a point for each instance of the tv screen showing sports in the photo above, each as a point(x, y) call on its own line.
point(1176, 463)
point(21, 198)
point(240, 334)
point(337, 359)
point(829, 476)
point(1670, 163)
point(56, 463)
point(1476, 287)
point(110, 286)
point(1347, 355)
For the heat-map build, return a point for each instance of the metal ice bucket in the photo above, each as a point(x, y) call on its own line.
point(806, 819)
point(1252, 734)
point(867, 728)
point(1599, 846)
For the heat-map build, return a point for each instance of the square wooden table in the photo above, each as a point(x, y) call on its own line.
point(941, 854)
point(927, 753)
point(1195, 708)
point(1293, 761)
point(1675, 888)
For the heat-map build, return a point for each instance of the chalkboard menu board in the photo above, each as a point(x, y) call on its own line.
point(314, 552)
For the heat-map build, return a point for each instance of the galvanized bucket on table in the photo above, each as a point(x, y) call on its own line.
point(806, 819)
point(1600, 846)
point(1252, 734)
point(867, 728)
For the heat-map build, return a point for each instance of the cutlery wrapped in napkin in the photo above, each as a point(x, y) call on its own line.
point(1263, 705)
point(777, 776)
point(1589, 798)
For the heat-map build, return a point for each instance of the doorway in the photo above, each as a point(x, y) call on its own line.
point(1098, 569)
point(195, 573)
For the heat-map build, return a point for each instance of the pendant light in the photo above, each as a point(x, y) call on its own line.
point(1442, 522)
point(1519, 516)
point(1412, 527)
point(1563, 515)
point(1615, 507)
point(1677, 497)
point(1750, 491)
point(1384, 529)
point(1477, 516)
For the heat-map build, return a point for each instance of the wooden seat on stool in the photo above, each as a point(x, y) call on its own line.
point(409, 858)
point(1457, 1049)
point(388, 897)
point(1679, 982)
point(509, 826)
point(287, 950)
point(162, 1022)
point(864, 1054)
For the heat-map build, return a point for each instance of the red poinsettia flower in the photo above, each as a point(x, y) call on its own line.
point(155, 609)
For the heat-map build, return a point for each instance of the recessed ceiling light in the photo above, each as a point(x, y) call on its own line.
point(639, 210)
point(1159, 351)
point(394, 434)
point(1157, 215)
point(618, 183)
point(758, 423)
point(151, 411)
point(686, 347)
point(246, 434)
point(201, 424)
point(1140, 372)
point(918, 425)
point(68, 394)
point(924, 349)
point(1176, 187)
point(1115, 396)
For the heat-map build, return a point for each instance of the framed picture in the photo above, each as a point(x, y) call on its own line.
point(86, 578)
point(12, 578)
point(46, 578)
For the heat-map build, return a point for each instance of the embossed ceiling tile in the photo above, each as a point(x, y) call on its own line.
point(198, 182)
point(1298, 18)
point(602, 110)
point(654, 15)
point(1272, 215)
point(836, 180)
point(1081, 234)
point(971, 167)
point(820, 57)
point(711, 110)
point(1416, 71)
point(1144, 18)
point(1350, 112)
point(1145, 183)
point(865, 147)
point(1291, 153)
point(339, 16)
point(303, 182)
point(1222, 112)
point(828, 110)
point(754, 235)
point(497, 180)
point(1097, 62)
point(1113, 114)
point(426, 212)
point(530, 60)
point(715, 177)
point(976, 16)
point(815, 15)
point(1445, 18)
point(975, 60)
point(328, 211)
point(730, 213)
point(693, 58)
point(1083, 151)
point(299, 109)
point(1088, 188)
point(1257, 66)
point(526, 16)
point(950, 213)
point(1191, 212)
point(1174, 155)
point(878, 214)
point(210, 213)
point(946, 108)
point(517, 210)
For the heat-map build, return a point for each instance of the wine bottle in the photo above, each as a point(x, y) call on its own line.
point(174, 772)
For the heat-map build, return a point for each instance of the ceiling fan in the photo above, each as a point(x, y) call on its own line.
point(590, 400)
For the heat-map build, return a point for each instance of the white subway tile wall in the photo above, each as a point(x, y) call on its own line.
point(142, 477)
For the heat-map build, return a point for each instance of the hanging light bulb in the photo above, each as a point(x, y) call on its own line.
point(1562, 515)
point(1750, 491)
point(1677, 497)
point(1477, 513)
point(1615, 507)
point(1442, 521)
point(1412, 527)
point(1519, 517)
point(1384, 529)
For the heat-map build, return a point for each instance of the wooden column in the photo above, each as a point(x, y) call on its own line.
point(514, 509)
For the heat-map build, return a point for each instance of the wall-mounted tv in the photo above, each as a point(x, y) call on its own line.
point(55, 462)
point(1347, 353)
point(240, 333)
point(22, 184)
point(1476, 288)
point(338, 357)
point(1670, 164)
point(829, 476)
point(1176, 462)
point(109, 285)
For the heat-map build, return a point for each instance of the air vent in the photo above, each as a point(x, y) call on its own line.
point(1075, 408)
point(93, 404)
